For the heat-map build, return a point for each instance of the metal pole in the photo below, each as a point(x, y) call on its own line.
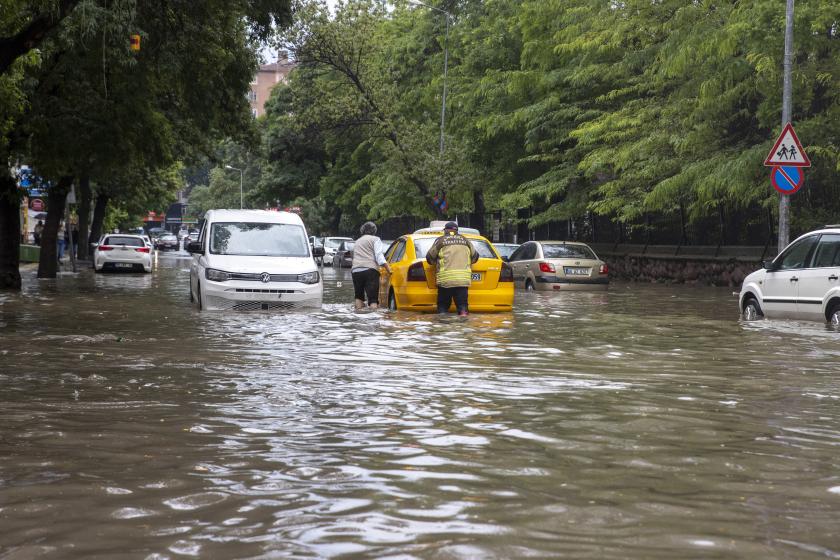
point(445, 66)
point(240, 190)
point(787, 102)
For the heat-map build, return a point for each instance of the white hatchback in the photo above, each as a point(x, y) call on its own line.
point(122, 252)
point(803, 282)
point(251, 260)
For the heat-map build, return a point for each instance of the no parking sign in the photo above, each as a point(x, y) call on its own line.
point(787, 158)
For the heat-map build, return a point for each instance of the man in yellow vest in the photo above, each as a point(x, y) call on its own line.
point(453, 256)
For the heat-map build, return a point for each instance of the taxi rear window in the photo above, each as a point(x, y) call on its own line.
point(483, 247)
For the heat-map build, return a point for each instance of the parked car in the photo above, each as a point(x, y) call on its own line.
point(167, 242)
point(558, 265)
point(253, 259)
point(505, 250)
point(412, 283)
point(803, 282)
point(343, 257)
point(122, 252)
point(331, 245)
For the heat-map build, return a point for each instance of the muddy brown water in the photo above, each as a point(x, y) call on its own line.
point(645, 422)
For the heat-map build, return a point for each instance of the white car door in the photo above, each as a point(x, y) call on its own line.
point(520, 261)
point(819, 278)
point(781, 282)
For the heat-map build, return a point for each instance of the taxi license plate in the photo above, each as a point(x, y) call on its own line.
point(575, 271)
point(124, 265)
point(476, 277)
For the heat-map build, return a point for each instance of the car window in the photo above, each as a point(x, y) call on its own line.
point(529, 251)
point(797, 255)
point(564, 251)
point(517, 254)
point(828, 251)
point(397, 251)
point(332, 242)
point(258, 239)
point(485, 251)
point(123, 240)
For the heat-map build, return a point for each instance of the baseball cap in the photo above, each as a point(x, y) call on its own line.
point(451, 225)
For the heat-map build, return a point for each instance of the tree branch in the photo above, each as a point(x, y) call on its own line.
point(28, 38)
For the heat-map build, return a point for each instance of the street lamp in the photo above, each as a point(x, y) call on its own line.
point(445, 65)
point(240, 183)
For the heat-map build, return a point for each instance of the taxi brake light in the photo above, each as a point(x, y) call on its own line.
point(416, 272)
point(546, 267)
point(507, 273)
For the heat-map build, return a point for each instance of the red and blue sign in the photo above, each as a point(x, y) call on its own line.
point(787, 179)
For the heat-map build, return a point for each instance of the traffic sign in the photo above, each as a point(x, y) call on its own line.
point(787, 179)
point(787, 151)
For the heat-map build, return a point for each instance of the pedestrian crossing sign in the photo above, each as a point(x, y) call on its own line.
point(787, 151)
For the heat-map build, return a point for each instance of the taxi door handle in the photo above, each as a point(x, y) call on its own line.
point(833, 277)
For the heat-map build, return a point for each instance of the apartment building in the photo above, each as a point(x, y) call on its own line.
point(268, 76)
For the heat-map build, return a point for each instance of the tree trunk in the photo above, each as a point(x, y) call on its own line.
point(56, 200)
point(98, 217)
point(9, 232)
point(83, 209)
point(479, 211)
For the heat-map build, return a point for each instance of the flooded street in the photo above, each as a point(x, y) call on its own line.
point(643, 422)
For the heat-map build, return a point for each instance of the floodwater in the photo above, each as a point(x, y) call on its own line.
point(647, 422)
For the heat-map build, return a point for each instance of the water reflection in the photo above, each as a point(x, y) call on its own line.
point(644, 422)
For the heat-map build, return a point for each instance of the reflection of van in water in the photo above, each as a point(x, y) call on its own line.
point(253, 259)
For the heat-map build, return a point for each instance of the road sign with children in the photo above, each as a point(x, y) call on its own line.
point(787, 151)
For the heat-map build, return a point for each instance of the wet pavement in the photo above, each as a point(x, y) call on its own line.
point(645, 422)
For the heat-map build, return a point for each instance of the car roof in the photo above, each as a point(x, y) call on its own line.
point(124, 235)
point(336, 237)
point(261, 216)
point(549, 242)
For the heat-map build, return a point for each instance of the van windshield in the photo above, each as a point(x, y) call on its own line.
point(258, 239)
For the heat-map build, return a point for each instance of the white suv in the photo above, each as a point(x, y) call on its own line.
point(253, 260)
point(803, 282)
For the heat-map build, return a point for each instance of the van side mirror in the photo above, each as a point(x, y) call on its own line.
point(195, 247)
point(318, 251)
point(768, 265)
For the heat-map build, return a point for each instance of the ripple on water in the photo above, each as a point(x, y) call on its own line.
point(196, 501)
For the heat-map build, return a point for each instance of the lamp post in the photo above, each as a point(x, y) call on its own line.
point(240, 183)
point(447, 15)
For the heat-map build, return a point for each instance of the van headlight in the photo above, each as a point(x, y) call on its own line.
point(309, 277)
point(216, 275)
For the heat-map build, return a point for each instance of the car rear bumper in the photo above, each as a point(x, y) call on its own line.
point(108, 261)
point(422, 298)
point(258, 296)
point(557, 283)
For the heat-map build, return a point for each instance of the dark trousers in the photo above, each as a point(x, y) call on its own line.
point(445, 295)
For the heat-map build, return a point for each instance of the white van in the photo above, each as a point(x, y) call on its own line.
point(252, 260)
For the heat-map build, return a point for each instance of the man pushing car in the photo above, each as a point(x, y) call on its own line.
point(453, 256)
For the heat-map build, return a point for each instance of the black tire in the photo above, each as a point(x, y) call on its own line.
point(752, 310)
point(198, 296)
point(192, 299)
point(392, 301)
point(834, 315)
point(529, 286)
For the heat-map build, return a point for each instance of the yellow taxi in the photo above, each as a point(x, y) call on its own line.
point(412, 286)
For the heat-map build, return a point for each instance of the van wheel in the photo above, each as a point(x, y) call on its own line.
point(752, 311)
point(529, 286)
point(198, 296)
point(192, 299)
point(834, 315)
point(392, 301)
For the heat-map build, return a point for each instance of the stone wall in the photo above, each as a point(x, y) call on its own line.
point(716, 266)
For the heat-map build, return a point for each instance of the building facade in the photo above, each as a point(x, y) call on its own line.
point(268, 76)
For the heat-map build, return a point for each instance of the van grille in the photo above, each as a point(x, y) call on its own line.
point(259, 291)
point(257, 277)
point(263, 305)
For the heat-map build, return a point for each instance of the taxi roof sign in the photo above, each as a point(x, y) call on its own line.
point(787, 150)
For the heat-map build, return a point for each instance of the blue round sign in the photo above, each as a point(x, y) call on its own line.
point(787, 179)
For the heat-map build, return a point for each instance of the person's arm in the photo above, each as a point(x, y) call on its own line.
point(473, 253)
point(379, 255)
point(432, 253)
